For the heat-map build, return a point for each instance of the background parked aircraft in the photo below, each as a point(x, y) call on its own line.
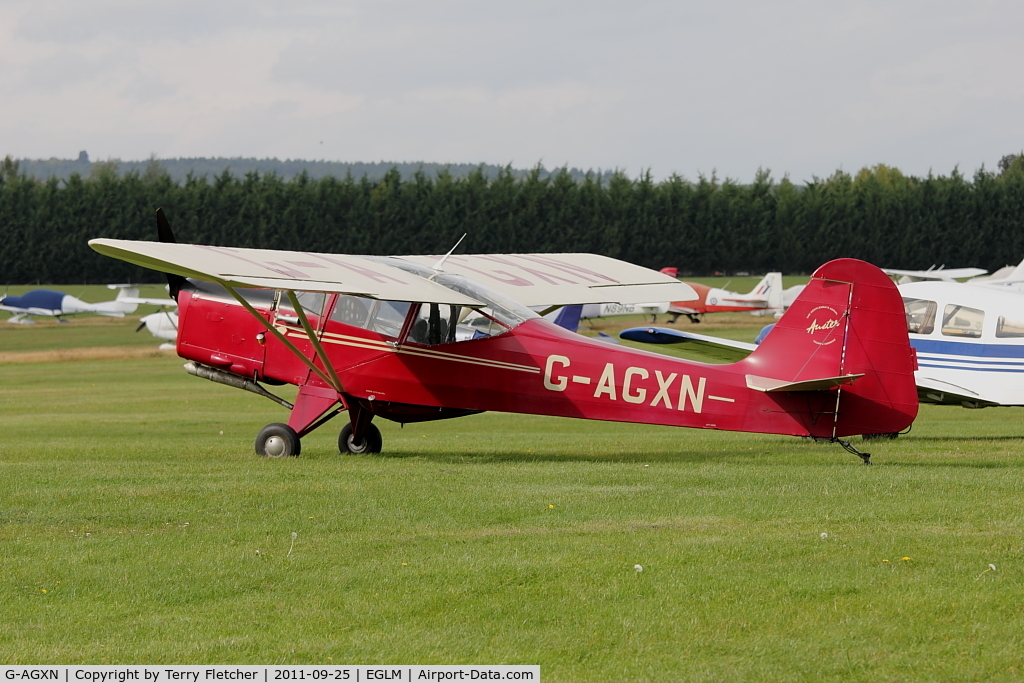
point(940, 274)
point(767, 296)
point(969, 341)
point(162, 325)
point(51, 303)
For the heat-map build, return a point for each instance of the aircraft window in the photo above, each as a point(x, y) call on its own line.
point(353, 310)
point(502, 309)
point(389, 318)
point(435, 324)
point(920, 315)
point(311, 302)
point(1009, 329)
point(960, 321)
point(383, 317)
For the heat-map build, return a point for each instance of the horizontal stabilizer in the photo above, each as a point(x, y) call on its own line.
point(769, 384)
point(710, 348)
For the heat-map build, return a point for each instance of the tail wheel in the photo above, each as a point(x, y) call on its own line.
point(371, 442)
point(278, 441)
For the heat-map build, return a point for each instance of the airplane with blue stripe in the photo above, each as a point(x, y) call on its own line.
point(969, 341)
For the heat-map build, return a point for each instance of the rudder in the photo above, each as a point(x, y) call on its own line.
point(848, 321)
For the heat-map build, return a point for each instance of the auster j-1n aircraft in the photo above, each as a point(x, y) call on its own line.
point(381, 337)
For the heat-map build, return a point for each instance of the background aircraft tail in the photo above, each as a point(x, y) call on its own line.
point(845, 341)
point(119, 306)
point(769, 289)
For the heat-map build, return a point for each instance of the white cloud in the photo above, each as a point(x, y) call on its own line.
point(800, 87)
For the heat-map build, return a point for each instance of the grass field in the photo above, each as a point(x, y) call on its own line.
point(137, 526)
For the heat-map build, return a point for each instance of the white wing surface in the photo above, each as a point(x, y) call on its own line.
point(530, 279)
point(295, 270)
point(564, 279)
point(947, 274)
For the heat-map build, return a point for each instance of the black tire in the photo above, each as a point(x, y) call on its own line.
point(372, 440)
point(278, 441)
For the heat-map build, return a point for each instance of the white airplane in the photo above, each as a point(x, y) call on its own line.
point(1007, 276)
point(766, 297)
point(51, 303)
point(969, 341)
point(607, 310)
point(162, 325)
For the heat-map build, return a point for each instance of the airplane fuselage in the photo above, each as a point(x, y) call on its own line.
point(969, 342)
point(539, 368)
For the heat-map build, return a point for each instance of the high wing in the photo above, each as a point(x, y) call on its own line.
point(307, 271)
point(724, 350)
point(530, 279)
point(564, 279)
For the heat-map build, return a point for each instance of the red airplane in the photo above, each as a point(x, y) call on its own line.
point(767, 296)
point(400, 339)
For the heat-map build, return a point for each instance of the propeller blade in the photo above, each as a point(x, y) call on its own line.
point(165, 235)
point(163, 228)
point(139, 328)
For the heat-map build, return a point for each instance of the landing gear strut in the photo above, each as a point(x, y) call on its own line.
point(370, 443)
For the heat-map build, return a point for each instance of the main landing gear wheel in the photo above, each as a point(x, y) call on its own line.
point(277, 441)
point(371, 443)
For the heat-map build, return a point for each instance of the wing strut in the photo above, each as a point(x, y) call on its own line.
point(291, 347)
point(315, 341)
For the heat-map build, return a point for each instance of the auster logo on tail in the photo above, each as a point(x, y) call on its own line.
point(826, 326)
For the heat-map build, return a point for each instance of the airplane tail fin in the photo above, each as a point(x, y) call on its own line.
point(844, 344)
point(121, 304)
point(1017, 274)
point(769, 290)
point(568, 317)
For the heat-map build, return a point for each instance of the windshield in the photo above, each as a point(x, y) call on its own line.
point(499, 307)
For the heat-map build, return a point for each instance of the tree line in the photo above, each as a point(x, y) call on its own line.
point(180, 168)
point(702, 227)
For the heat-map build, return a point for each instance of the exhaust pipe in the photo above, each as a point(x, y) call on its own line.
point(221, 377)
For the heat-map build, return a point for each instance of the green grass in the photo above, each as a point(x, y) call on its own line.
point(130, 494)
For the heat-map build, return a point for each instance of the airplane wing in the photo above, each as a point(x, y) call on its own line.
point(564, 279)
point(530, 279)
point(148, 302)
point(936, 391)
point(726, 350)
point(938, 274)
point(32, 310)
point(271, 269)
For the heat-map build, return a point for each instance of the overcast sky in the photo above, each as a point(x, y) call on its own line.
point(801, 88)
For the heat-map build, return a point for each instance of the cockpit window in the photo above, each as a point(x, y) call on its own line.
point(499, 315)
point(383, 317)
point(961, 321)
point(435, 324)
point(920, 315)
point(311, 302)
